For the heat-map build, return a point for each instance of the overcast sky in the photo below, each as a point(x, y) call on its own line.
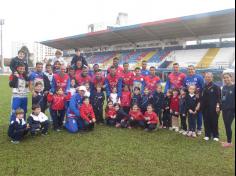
point(38, 20)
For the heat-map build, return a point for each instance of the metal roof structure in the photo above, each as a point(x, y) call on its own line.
point(205, 24)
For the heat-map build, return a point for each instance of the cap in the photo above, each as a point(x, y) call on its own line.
point(82, 88)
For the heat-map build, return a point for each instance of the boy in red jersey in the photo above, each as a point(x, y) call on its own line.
point(151, 119)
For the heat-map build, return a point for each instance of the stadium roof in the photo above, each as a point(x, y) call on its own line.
point(205, 24)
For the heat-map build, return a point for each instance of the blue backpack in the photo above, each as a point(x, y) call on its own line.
point(71, 125)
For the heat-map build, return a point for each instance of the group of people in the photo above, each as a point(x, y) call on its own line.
point(75, 96)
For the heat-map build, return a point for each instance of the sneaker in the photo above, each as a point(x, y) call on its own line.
point(184, 133)
point(44, 134)
point(226, 144)
point(146, 129)
point(199, 132)
point(15, 142)
point(164, 127)
point(206, 138)
point(58, 130)
point(129, 127)
point(181, 131)
point(117, 125)
point(189, 134)
point(216, 139)
point(176, 129)
point(194, 135)
point(171, 129)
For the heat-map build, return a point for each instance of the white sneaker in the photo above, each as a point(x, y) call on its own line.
point(184, 133)
point(194, 135)
point(15, 142)
point(176, 129)
point(216, 139)
point(206, 138)
point(189, 134)
point(199, 132)
point(171, 129)
point(181, 131)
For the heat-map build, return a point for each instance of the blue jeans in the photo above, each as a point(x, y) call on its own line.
point(17, 103)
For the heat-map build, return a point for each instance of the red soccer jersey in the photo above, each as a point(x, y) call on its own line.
point(113, 81)
point(137, 115)
point(81, 80)
point(96, 81)
point(152, 118)
point(151, 82)
point(58, 101)
point(127, 78)
point(61, 82)
point(86, 112)
point(110, 113)
point(126, 99)
point(174, 104)
point(176, 80)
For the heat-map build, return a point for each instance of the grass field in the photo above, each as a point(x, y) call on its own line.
point(110, 152)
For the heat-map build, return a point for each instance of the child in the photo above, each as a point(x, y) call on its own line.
point(73, 86)
point(183, 111)
point(121, 116)
point(58, 108)
point(19, 83)
point(87, 114)
point(126, 99)
point(136, 99)
point(166, 110)
point(97, 101)
point(114, 96)
point(110, 114)
point(49, 72)
point(146, 99)
point(38, 121)
point(87, 93)
point(38, 96)
point(193, 106)
point(56, 67)
point(19, 60)
point(151, 119)
point(174, 110)
point(136, 117)
point(18, 127)
point(158, 100)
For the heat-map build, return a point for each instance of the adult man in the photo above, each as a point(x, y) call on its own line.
point(77, 57)
point(127, 76)
point(118, 68)
point(175, 79)
point(113, 80)
point(61, 80)
point(152, 80)
point(98, 79)
point(39, 76)
point(198, 81)
point(20, 59)
point(83, 78)
point(144, 71)
point(210, 102)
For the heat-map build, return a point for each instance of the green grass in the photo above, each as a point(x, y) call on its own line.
point(110, 152)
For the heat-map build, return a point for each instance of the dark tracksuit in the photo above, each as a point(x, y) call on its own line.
point(17, 130)
point(97, 101)
point(41, 100)
point(120, 115)
point(136, 99)
point(15, 62)
point(166, 113)
point(210, 98)
point(36, 125)
point(157, 101)
point(145, 101)
point(228, 109)
point(183, 113)
point(192, 103)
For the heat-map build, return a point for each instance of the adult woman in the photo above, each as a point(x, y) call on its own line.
point(228, 107)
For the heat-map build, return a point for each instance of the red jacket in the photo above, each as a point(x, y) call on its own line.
point(174, 104)
point(126, 99)
point(58, 101)
point(86, 112)
point(151, 82)
point(82, 80)
point(119, 70)
point(128, 78)
point(110, 112)
point(61, 82)
point(153, 118)
point(136, 115)
point(176, 80)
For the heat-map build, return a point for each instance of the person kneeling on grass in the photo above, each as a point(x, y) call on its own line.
point(87, 114)
point(18, 127)
point(38, 121)
point(151, 119)
point(136, 118)
point(121, 116)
